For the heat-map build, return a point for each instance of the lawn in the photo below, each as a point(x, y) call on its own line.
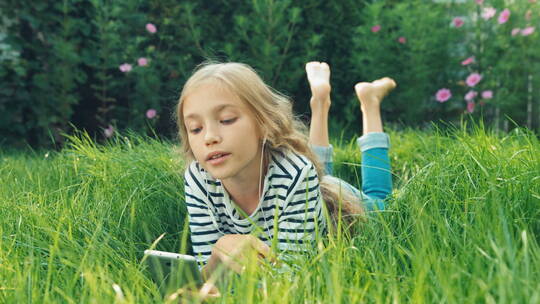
point(463, 225)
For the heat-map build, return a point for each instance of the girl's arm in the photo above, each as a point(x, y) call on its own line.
point(302, 216)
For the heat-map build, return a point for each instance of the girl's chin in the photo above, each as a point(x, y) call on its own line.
point(217, 174)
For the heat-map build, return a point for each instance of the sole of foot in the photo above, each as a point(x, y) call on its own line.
point(318, 75)
point(371, 94)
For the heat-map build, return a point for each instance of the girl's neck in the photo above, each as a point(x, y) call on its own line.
point(245, 191)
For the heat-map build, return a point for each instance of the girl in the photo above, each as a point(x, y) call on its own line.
point(252, 179)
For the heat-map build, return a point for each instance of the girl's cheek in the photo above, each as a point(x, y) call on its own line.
point(193, 147)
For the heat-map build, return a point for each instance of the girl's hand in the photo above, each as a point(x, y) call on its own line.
point(189, 294)
point(208, 291)
point(233, 250)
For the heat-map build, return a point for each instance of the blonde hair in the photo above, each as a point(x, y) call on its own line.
point(273, 112)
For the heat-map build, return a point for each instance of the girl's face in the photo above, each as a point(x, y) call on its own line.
point(222, 134)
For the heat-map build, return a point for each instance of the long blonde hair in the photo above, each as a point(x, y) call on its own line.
point(273, 112)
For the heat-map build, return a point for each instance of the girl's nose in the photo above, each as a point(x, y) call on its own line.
point(211, 136)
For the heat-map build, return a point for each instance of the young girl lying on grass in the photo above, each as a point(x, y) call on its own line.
point(254, 180)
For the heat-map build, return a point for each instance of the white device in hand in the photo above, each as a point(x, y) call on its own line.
point(172, 271)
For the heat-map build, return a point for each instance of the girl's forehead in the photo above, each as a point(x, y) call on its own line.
point(211, 97)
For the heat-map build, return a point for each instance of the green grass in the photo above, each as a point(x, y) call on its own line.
point(463, 226)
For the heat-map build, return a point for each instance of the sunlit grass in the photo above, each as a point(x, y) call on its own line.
point(463, 225)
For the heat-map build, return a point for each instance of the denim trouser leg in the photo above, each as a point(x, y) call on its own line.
point(326, 157)
point(376, 175)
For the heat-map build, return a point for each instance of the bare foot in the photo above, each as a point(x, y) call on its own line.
point(318, 75)
point(371, 94)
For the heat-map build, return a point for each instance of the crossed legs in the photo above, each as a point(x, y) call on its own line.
point(374, 144)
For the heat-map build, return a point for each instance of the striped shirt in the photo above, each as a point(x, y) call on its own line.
point(289, 214)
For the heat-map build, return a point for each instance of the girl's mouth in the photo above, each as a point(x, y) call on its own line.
point(218, 159)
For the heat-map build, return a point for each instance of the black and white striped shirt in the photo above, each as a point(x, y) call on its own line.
point(290, 214)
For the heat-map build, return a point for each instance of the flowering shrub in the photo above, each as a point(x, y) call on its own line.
point(501, 60)
point(480, 36)
point(108, 66)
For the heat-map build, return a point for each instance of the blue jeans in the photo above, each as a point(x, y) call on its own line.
point(376, 175)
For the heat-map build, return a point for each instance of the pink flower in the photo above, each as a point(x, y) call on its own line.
point(125, 67)
point(470, 95)
point(470, 106)
point(402, 40)
point(458, 22)
point(473, 79)
point(527, 31)
point(151, 28)
point(468, 61)
point(504, 16)
point(443, 95)
point(109, 131)
point(515, 31)
point(375, 28)
point(488, 13)
point(151, 113)
point(488, 94)
point(142, 61)
point(479, 2)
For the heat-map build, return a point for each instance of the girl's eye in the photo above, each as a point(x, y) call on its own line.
point(229, 121)
point(195, 131)
point(225, 121)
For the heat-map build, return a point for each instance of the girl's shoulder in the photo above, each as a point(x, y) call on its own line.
point(290, 160)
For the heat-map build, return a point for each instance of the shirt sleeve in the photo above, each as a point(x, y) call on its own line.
point(202, 223)
point(302, 216)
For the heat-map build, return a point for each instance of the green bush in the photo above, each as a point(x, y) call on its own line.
point(61, 60)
